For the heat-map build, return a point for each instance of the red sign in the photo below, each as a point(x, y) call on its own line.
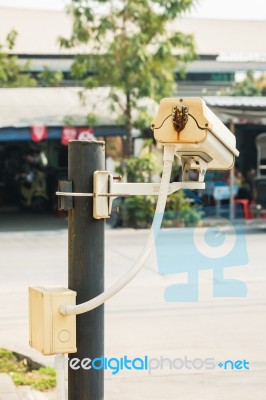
point(38, 133)
point(86, 134)
point(68, 133)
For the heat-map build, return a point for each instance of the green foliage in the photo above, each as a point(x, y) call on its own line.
point(262, 84)
point(12, 73)
point(69, 120)
point(43, 378)
point(249, 86)
point(144, 119)
point(137, 211)
point(138, 169)
point(50, 78)
point(141, 168)
point(91, 119)
point(181, 210)
point(131, 49)
point(8, 362)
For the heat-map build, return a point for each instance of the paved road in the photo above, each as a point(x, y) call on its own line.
point(139, 322)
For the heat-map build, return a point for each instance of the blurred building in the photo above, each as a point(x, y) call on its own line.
point(226, 50)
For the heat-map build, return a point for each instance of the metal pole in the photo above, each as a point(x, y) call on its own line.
point(232, 183)
point(232, 196)
point(86, 269)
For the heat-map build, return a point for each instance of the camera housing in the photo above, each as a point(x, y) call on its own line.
point(196, 132)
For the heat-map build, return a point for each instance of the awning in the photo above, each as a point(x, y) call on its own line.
point(240, 110)
point(54, 132)
point(24, 107)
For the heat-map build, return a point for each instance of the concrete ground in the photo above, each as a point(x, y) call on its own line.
point(7, 388)
point(138, 320)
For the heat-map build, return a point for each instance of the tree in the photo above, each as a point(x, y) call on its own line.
point(261, 82)
point(132, 45)
point(48, 77)
point(249, 86)
point(12, 73)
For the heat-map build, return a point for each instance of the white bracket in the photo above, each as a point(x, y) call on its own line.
point(193, 162)
point(106, 190)
point(101, 183)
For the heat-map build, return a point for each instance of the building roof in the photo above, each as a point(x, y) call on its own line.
point(39, 31)
point(22, 107)
point(235, 102)
point(239, 109)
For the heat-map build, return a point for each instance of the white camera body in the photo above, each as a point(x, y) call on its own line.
point(195, 131)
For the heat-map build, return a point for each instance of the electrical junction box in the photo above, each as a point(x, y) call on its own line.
point(50, 331)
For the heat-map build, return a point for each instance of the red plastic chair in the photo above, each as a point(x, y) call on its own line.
point(245, 206)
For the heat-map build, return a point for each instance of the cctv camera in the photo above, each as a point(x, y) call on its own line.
point(196, 133)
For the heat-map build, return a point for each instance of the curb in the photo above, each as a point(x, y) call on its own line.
point(8, 389)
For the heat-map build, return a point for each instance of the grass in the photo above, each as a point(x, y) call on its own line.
point(24, 371)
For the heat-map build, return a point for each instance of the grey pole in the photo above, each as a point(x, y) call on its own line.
point(86, 269)
point(231, 183)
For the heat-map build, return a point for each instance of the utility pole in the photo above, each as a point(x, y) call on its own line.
point(86, 268)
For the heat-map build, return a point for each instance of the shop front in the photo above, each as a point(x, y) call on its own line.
point(35, 127)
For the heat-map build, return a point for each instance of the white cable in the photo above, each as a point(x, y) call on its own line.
point(60, 376)
point(67, 309)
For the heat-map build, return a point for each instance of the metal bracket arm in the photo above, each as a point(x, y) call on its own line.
point(149, 189)
point(105, 190)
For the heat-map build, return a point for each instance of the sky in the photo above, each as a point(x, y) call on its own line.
point(229, 9)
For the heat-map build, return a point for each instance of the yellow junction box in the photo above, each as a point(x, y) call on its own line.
point(50, 331)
